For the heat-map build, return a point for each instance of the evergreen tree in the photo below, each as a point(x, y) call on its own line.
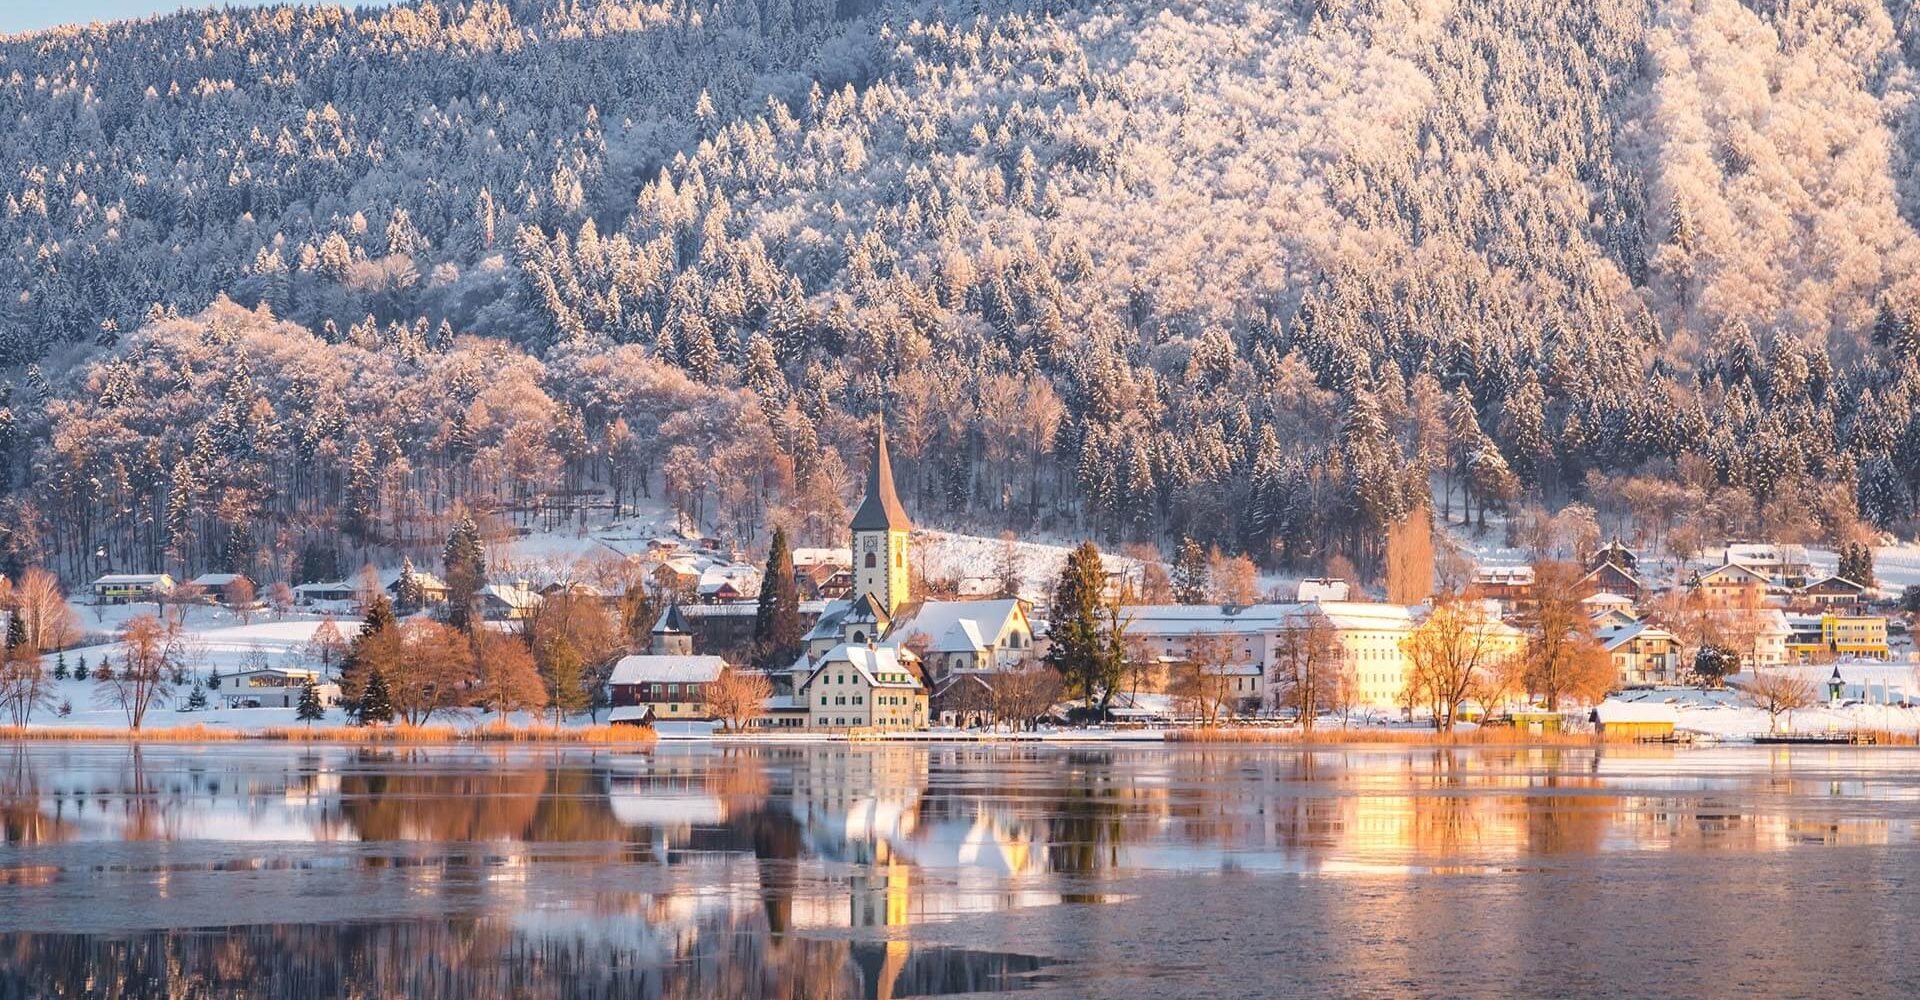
point(1085, 647)
point(408, 594)
point(310, 708)
point(16, 632)
point(1856, 563)
point(376, 702)
point(1189, 572)
point(466, 570)
point(213, 679)
point(60, 666)
point(777, 635)
point(197, 698)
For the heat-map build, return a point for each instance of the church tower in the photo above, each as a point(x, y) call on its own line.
point(671, 636)
point(880, 529)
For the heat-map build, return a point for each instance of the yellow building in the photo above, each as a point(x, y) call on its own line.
point(1817, 638)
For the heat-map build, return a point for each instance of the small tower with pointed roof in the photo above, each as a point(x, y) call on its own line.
point(880, 530)
point(671, 637)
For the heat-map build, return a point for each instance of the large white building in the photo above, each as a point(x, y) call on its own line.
point(1369, 638)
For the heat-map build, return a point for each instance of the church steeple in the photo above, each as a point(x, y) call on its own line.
point(880, 529)
point(881, 510)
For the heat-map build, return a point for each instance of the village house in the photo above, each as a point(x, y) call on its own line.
point(954, 636)
point(129, 588)
point(1641, 653)
point(668, 682)
point(275, 687)
point(1834, 593)
point(219, 588)
point(823, 573)
point(722, 583)
point(864, 687)
point(508, 602)
point(1783, 566)
point(1732, 584)
point(1510, 586)
point(1613, 570)
point(1608, 604)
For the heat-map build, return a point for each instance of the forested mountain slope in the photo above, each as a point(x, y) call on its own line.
point(1262, 271)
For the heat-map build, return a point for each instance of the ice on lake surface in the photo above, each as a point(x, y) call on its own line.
point(894, 871)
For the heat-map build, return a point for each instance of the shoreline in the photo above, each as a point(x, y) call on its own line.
point(640, 737)
point(430, 735)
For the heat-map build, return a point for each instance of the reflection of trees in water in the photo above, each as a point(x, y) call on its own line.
point(1088, 827)
point(22, 821)
point(383, 798)
point(725, 955)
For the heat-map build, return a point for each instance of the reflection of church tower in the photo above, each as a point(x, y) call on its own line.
point(671, 637)
point(880, 529)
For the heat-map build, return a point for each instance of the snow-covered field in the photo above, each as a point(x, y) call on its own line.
point(1873, 698)
point(214, 639)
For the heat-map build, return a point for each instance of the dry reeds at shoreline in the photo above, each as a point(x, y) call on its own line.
point(396, 735)
point(1399, 737)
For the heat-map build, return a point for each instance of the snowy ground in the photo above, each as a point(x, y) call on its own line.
point(214, 639)
point(1873, 698)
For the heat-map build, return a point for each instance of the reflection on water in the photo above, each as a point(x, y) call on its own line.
point(467, 957)
point(800, 870)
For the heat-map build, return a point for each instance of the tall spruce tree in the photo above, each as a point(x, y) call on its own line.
point(776, 626)
point(1085, 647)
point(309, 708)
point(1189, 572)
point(376, 702)
point(466, 568)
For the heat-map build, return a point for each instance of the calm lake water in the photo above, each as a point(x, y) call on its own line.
point(893, 871)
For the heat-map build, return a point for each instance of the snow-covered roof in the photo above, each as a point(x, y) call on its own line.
point(1511, 576)
point(214, 581)
point(513, 597)
point(650, 669)
point(1205, 619)
point(1214, 619)
point(818, 556)
point(878, 666)
point(1323, 589)
point(629, 713)
point(133, 580)
point(1730, 570)
point(1608, 599)
point(1612, 712)
point(1613, 638)
point(1363, 614)
point(1753, 554)
point(956, 626)
point(740, 577)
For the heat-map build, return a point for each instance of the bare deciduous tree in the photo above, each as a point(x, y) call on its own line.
point(1307, 666)
point(738, 697)
point(1450, 654)
point(1777, 693)
point(141, 682)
